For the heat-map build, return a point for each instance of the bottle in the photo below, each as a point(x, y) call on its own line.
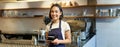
point(84, 12)
point(83, 36)
point(35, 41)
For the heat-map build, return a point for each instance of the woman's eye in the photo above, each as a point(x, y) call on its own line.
point(56, 11)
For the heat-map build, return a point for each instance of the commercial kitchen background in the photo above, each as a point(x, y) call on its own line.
point(107, 32)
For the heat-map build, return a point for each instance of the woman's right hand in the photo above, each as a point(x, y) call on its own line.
point(47, 41)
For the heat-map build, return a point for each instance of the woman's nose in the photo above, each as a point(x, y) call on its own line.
point(54, 13)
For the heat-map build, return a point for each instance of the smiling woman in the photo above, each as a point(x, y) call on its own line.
point(57, 28)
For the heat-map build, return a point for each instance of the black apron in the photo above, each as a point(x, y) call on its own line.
point(56, 32)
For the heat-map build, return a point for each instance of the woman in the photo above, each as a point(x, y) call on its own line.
point(58, 28)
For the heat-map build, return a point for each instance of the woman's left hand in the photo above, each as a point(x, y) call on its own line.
point(56, 41)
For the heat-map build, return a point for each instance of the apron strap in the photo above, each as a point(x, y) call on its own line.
point(51, 25)
point(60, 24)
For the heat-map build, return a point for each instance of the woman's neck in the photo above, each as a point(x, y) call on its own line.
point(56, 21)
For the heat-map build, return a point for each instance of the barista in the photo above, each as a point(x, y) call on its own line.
point(58, 28)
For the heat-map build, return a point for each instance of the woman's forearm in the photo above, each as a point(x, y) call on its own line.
point(65, 41)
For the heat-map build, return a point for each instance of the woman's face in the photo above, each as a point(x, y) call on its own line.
point(55, 13)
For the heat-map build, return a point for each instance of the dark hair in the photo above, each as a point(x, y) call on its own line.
point(60, 8)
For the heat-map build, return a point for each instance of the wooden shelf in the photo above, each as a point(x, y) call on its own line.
point(42, 7)
point(108, 5)
point(15, 1)
point(98, 5)
point(90, 17)
point(94, 5)
point(24, 8)
point(70, 17)
point(24, 17)
point(78, 16)
point(106, 16)
point(47, 7)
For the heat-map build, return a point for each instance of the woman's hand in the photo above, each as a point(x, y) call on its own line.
point(56, 41)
